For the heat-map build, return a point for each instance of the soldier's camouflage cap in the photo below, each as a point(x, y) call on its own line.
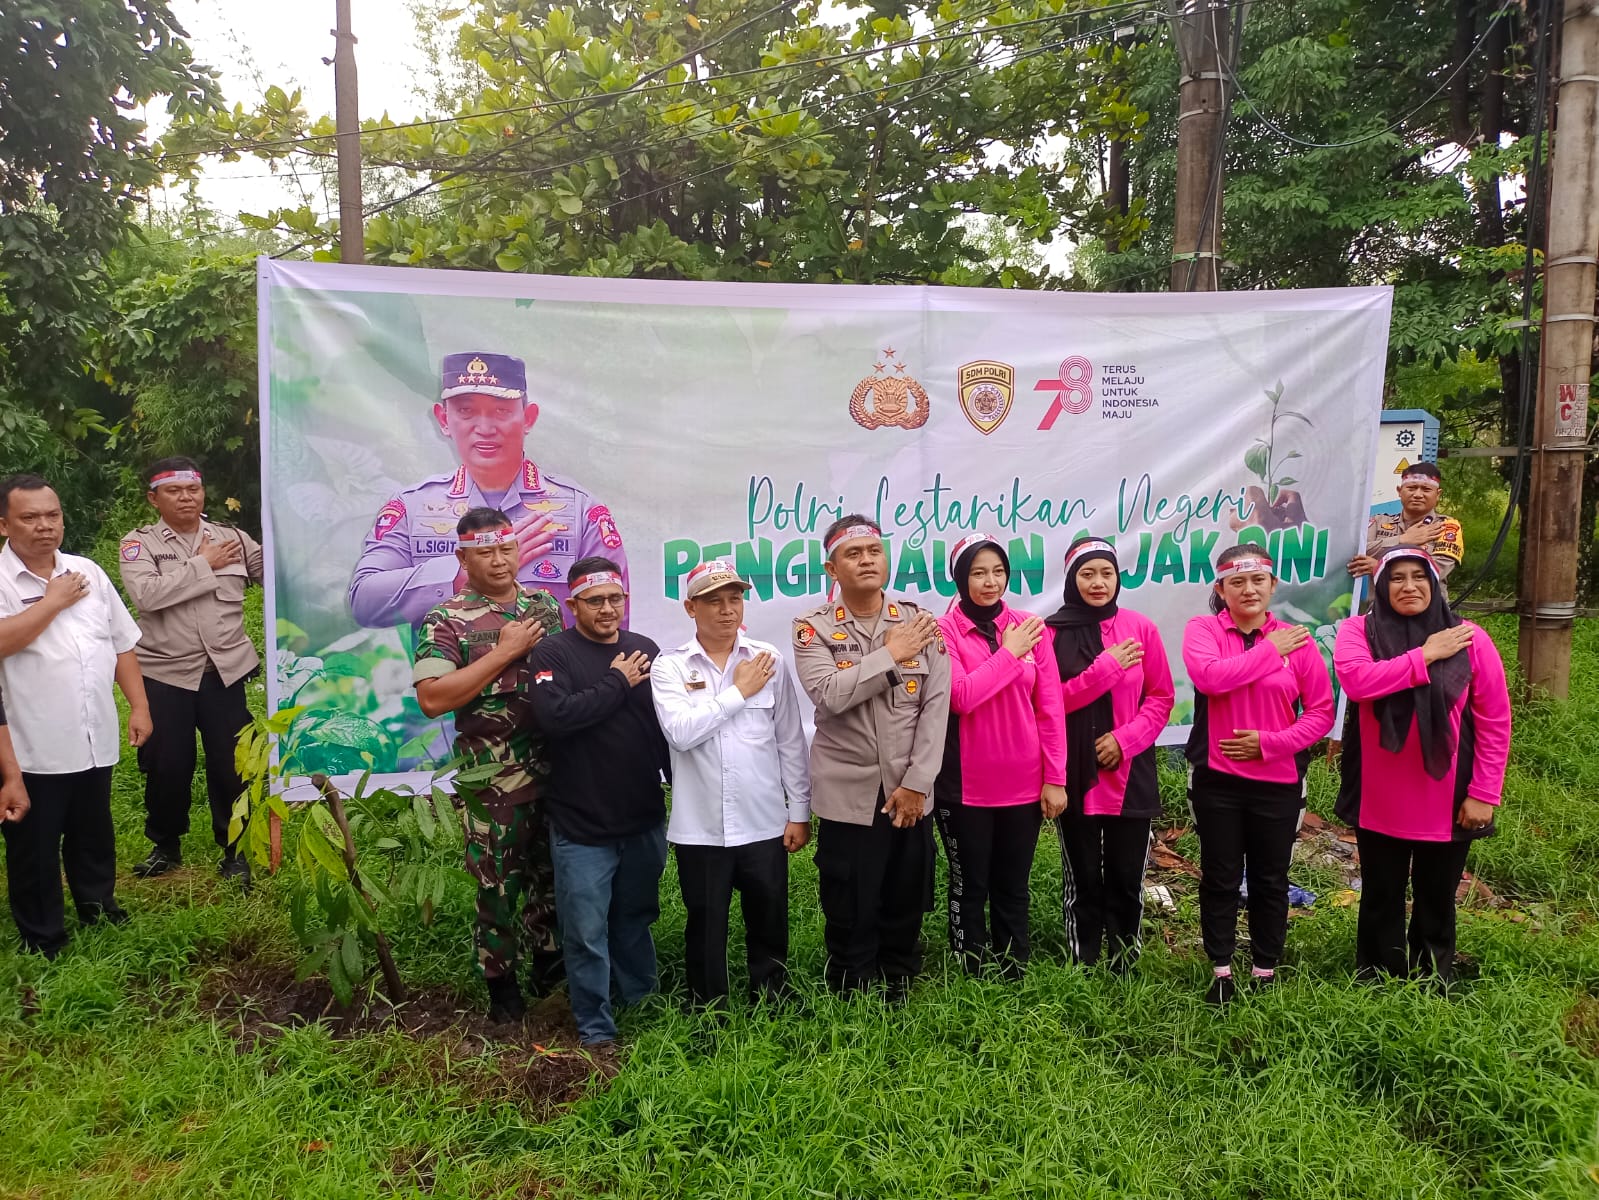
point(474, 373)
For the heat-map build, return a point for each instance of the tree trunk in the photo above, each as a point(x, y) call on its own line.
point(1460, 90)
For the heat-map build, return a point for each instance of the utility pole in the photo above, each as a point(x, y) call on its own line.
point(347, 125)
point(1549, 571)
point(1203, 38)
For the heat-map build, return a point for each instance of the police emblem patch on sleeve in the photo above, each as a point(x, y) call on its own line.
point(390, 515)
point(130, 551)
point(804, 633)
point(601, 517)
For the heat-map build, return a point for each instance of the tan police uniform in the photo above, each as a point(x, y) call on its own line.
point(196, 656)
point(1447, 545)
point(880, 725)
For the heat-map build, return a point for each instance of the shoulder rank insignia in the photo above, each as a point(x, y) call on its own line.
point(893, 612)
point(838, 613)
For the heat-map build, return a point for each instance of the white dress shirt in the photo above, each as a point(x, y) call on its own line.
point(732, 759)
point(57, 688)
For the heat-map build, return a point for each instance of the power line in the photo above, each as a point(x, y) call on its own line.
point(1366, 137)
point(637, 89)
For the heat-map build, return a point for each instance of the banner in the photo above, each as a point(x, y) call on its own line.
point(665, 423)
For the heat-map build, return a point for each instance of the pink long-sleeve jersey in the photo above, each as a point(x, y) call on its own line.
point(1243, 683)
point(1397, 796)
point(1011, 728)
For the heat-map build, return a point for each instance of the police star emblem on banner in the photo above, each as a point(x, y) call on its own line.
point(889, 397)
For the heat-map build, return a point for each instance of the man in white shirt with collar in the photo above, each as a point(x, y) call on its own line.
point(64, 635)
point(728, 707)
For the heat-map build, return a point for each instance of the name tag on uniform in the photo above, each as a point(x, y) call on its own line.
point(696, 685)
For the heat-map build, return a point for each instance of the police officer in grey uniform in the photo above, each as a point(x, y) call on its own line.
point(187, 577)
point(877, 670)
point(408, 564)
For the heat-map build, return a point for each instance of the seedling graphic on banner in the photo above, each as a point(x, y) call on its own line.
point(664, 424)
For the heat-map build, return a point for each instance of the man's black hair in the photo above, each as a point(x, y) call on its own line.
point(18, 483)
point(480, 518)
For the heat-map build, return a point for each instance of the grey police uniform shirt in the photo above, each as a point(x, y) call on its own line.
point(408, 564)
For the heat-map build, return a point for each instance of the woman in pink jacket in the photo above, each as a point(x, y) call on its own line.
point(1426, 770)
point(1262, 698)
point(1117, 689)
point(1004, 758)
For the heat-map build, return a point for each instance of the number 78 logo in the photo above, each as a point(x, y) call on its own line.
point(1074, 389)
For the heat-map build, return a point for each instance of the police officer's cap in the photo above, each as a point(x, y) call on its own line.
point(474, 373)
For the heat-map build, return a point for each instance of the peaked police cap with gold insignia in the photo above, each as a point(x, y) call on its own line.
point(475, 373)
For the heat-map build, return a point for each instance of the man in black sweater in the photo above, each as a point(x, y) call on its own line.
point(591, 700)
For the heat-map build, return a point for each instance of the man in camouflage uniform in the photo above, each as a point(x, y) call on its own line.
point(472, 660)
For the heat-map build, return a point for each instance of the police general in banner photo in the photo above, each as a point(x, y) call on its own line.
point(408, 564)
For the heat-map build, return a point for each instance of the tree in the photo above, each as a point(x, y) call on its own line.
point(73, 163)
point(726, 139)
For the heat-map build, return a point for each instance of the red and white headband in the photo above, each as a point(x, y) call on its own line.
point(1093, 547)
point(715, 564)
point(848, 534)
point(966, 543)
point(174, 477)
point(1418, 477)
point(487, 537)
point(594, 579)
point(1245, 566)
point(1415, 552)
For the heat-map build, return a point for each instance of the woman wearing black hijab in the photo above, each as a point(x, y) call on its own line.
point(1426, 769)
point(1117, 690)
point(1004, 758)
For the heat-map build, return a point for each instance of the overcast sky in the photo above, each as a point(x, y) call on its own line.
point(254, 43)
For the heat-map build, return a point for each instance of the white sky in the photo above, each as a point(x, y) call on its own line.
point(254, 44)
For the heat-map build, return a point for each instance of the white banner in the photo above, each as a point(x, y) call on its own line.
point(666, 423)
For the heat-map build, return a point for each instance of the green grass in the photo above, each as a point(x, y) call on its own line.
point(114, 1082)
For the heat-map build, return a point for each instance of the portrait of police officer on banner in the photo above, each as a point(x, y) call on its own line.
point(408, 563)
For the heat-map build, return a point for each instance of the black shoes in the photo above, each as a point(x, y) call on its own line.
point(505, 1000)
point(234, 866)
point(112, 914)
point(160, 861)
point(1221, 991)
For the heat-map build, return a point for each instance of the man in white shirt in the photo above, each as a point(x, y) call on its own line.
point(64, 635)
point(728, 707)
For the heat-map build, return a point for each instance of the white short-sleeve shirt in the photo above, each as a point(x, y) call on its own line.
point(59, 704)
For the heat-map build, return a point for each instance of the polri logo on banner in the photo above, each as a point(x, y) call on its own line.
point(986, 388)
point(890, 397)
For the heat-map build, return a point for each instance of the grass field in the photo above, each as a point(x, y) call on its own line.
point(126, 1070)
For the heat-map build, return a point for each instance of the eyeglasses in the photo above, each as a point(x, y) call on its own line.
point(595, 603)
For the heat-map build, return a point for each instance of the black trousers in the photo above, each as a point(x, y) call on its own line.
point(1433, 870)
point(876, 882)
point(69, 823)
point(990, 852)
point(1238, 831)
point(708, 876)
point(218, 713)
point(1102, 864)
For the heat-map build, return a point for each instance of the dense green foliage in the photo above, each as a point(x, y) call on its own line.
point(119, 1080)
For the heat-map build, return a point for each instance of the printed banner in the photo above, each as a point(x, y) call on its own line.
point(661, 424)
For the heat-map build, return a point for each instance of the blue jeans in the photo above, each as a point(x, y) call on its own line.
point(606, 898)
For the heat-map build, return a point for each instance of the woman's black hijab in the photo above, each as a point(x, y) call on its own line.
point(1079, 640)
point(1431, 704)
point(984, 616)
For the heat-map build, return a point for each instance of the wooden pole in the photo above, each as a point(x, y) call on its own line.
point(1203, 35)
point(347, 126)
point(1549, 572)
